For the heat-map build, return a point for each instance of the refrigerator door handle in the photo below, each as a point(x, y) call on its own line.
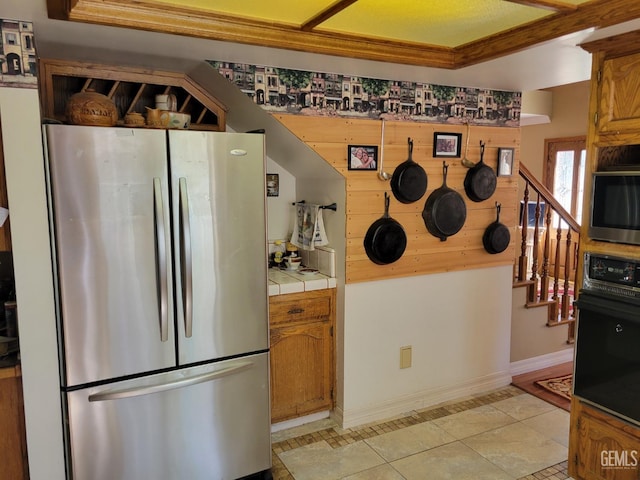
point(185, 257)
point(161, 258)
point(163, 387)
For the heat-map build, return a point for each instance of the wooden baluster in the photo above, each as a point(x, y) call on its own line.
point(554, 310)
point(535, 248)
point(522, 261)
point(556, 269)
point(567, 269)
point(544, 277)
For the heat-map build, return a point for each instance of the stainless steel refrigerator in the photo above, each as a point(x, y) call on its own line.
point(159, 242)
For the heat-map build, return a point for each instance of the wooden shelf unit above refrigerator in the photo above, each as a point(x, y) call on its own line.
point(131, 89)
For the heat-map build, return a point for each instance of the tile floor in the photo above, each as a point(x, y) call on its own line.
point(505, 434)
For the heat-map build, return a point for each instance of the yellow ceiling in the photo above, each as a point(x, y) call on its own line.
point(448, 23)
point(437, 33)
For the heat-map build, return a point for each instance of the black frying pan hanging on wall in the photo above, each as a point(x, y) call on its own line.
point(409, 180)
point(385, 240)
point(480, 181)
point(444, 211)
point(496, 237)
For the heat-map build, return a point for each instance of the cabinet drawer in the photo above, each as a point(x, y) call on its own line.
point(301, 307)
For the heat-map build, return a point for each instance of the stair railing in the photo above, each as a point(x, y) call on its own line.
point(541, 262)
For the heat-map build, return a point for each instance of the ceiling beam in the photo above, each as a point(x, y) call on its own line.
point(599, 14)
point(553, 5)
point(326, 14)
point(157, 17)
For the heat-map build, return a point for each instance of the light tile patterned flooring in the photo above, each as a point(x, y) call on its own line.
point(505, 434)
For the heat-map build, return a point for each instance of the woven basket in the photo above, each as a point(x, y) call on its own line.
point(91, 108)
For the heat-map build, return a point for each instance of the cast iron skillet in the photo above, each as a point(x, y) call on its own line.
point(409, 180)
point(480, 181)
point(444, 211)
point(496, 237)
point(385, 240)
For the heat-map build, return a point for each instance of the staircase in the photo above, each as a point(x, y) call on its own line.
point(548, 258)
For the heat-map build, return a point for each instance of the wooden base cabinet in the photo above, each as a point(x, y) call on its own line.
point(13, 441)
point(602, 447)
point(302, 353)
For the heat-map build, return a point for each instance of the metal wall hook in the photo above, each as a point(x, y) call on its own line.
point(382, 175)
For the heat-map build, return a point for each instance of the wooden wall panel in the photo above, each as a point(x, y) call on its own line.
point(330, 138)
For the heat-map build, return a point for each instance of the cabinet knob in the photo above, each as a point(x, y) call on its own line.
point(295, 311)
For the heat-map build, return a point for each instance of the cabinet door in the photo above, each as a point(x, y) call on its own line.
point(301, 370)
point(13, 451)
point(602, 447)
point(619, 105)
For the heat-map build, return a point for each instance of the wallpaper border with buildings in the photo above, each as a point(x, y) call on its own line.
point(18, 61)
point(281, 90)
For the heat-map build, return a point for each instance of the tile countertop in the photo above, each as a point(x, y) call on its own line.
point(288, 281)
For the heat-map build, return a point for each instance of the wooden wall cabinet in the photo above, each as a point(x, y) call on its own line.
point(302, 353)
point(601, 447)
point(613, 139)
point(619, 102)
point(131, 89)
point(13, 441)
point(613, 134)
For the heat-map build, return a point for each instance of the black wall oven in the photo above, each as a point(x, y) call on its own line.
point(607, 360)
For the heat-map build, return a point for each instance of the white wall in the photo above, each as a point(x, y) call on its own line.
point(280, 219)
point(457, 323)
point(569, 117)
point(20, 118)
point(531, 339)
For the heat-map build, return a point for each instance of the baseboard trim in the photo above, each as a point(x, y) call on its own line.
point(296, 422)
point(543, 361)
point(420, 400)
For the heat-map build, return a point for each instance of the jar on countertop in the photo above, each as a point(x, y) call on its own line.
point(292, 250)
point(277, 256)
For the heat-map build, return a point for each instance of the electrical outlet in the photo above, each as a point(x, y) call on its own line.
point(405, 356)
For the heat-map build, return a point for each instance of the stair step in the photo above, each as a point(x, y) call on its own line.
point(563, 321)
point(522, 283)
point(540, 303)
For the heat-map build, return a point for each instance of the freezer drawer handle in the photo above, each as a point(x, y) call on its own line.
point(185, 258)
point(161, 253)
point(163, 387)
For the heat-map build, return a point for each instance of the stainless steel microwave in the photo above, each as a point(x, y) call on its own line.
point(615, 207)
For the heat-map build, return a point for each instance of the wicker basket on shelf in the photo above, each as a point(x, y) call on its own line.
point(91, 108)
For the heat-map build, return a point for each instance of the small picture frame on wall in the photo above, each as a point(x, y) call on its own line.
point(446, 144)
point(362, 157)
point(273, 185)
point(505, 162)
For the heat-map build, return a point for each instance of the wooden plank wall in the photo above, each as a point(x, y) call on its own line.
point(424, 254)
